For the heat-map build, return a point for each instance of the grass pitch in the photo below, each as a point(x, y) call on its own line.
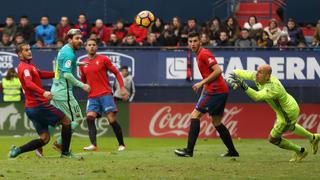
point(147, 158)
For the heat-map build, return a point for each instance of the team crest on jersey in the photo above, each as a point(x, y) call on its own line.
point(26, 72)
point(68, 64)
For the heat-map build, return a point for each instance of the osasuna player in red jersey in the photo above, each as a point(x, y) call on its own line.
point(100, 100)
point(37, 106)
point(213, 98)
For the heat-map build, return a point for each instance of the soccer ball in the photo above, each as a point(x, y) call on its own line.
point(144, 19)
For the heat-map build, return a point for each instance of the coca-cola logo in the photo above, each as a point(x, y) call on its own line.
point(165, 122)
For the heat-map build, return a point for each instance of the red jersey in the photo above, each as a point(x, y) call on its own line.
point(29, 77)
point(95, 74)
point(205, 61)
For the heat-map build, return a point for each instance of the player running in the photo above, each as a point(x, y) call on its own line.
point(39, 111)
point(213, 99)
point(64, 81)
point(100, 97)
point(287, 110)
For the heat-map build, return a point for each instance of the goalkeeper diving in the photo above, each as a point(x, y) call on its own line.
point(286, 108)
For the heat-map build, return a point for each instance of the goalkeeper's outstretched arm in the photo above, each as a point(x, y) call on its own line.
point(245, 74)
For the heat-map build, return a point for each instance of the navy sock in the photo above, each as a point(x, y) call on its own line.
point(226, 137)
point(92, 130)
point(66, 134)
point(118, 132)
point(32, 145)
point(193, 134)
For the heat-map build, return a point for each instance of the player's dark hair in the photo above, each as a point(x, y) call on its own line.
point(19, 47)
point(124, 67)
point(24, 17)
point(193, 34)
point(91, 39)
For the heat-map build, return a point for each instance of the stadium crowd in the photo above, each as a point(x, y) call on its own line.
point(227, 33)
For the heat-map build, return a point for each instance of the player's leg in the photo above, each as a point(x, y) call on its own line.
point(110, 109)
point(34, 114)
point(93, 109)
point(276, 138)
point(216, 105)
point(224, 136)
point(72, 110)
point(116, 129)
point(66, 134)
point(192, 136)
point(92, 131)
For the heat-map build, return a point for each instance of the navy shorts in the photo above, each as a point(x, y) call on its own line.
point(43, 116)
point(102, 104)
point(212, 103)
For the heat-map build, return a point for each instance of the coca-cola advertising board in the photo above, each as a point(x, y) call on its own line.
point(243, 120)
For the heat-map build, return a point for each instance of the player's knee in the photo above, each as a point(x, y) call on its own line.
point(45, 138)
point(216, 120)
point(196, 114)
point(275, 141)
point(90, 118)
point(65, 121)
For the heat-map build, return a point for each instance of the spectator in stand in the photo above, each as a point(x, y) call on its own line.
point(295, 33)
point(191, 26)
point(139, 33)
point(18, 39)
point(231, 26)
point(129, 40)
point(283, 41)
point(11, 87)
point(215, 28)
point(59, 43)
point(223, 40)
point(10, 28)
point(63, 27)
point(46, 31)
point(157, 27)
point(39, 44)
point(83, 26)
point(103, 33)
point(254, 27)
point(264, 41)
point(26, 29)
point(167, 38)
point(273, 31)
point(114, 40)
point(151, 40)
point(316, 36)
point(205, 40)
point(245, 41)
point(176, 27)
point(95, 36)
point(5, 41)
point(120, 31)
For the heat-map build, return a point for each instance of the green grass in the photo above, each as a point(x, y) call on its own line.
point(147, 158)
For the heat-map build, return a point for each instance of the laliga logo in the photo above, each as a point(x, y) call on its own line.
point(118, 59)
point(7, 60)
point(164, 122)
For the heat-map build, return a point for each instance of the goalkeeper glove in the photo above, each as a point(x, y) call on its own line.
point(236, 79)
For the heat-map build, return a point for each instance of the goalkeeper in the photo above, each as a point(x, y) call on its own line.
point(287, 110)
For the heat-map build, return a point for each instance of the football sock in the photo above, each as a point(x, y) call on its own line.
point(118, 132)
point(299, 130)
point(32, 145)
point(193, 134)
point(92, 130)
point(226, 137)
point(66, 134)
point(285, 144)
point(74, 125)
